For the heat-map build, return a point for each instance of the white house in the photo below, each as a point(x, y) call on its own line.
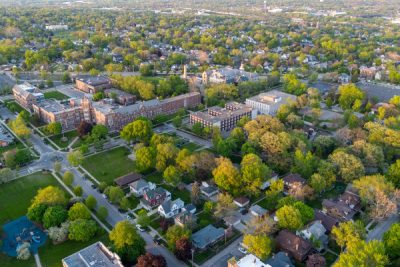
point(170, 208)
point(139, 187)
point(315, 231)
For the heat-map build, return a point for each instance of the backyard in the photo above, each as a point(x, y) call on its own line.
point(109, 165)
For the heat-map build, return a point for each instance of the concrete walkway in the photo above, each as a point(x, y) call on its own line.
point(37, 260)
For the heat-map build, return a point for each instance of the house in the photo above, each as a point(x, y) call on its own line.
point(117, 58)
point(266, 184)
point(155, 197)
point(207, 236)
point(344, 208)
point(185, 218)
point(295, 246)
point(291, 180)
point(316, 260)
point(327, 221)
point(190, 208)
point(170, 208)
point(241, 202)
point(232, 220)
point(126, 180)
point(258, 211)
point(208, 190)
point(316, 233)
point(344, 78)
point(96, 254)
point(139, 187)
point(280, 259)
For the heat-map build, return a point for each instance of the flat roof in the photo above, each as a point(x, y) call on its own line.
point(265, 97)
point(96, 255)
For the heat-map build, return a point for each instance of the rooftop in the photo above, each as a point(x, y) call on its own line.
point(96, 255)
point(272, 97)
point(55, 106)
point(93, 80)
point(207, 236)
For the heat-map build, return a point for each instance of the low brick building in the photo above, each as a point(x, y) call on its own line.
point(92, 84)
point(26, 95)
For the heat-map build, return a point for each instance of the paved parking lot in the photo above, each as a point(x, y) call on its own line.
point(382, 91)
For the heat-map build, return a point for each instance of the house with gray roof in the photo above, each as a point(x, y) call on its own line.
point(139, 187)
point(280, 259)
point(316, 233)
point(207, 236)
point(169, 208)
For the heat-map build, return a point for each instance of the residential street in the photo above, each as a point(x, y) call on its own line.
point(382, 227)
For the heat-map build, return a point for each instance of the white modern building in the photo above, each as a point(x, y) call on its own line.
point(269, 103)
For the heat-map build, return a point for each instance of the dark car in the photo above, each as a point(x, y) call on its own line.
point(157, 240)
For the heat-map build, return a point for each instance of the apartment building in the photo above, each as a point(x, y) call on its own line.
point(269, 103)
point(228, 75)
point(224, 118)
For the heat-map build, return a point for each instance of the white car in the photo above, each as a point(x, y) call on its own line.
point(139, 227)
point(128, 217)
point(242, 250)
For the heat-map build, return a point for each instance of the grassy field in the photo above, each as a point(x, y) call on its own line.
point(109, 165)
point(15, 196)
point(55, 95)
point(70, 137)
point(13, 106)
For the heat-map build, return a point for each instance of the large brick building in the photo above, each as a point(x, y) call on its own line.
point(92, 84)
point(223, 118)
point(107, 112)
point(26, 95)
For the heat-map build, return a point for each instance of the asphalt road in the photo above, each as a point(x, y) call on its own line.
point(382, 227)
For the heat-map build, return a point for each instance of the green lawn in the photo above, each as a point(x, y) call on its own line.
point(13, 106)
point(51, 255)
point(55, 95)
point(155, 177)
point(109, 165)
point(17, 144)
point(69, 135)
point(330, 194)
point(176, 193)
point(191, 146)
point(15, 196)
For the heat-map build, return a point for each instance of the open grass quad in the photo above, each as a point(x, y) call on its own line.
point(15, 198)
point(109, 165)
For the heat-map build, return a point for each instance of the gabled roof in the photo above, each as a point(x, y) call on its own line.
point(127, 179)
point(207, 236)
point(293, 244)
point(327, 221)
point(157, 191)
point(139, 184)
point(280, 259)
point(293, 178)
point(168, 204)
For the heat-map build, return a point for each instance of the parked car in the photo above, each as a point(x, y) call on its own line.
point(157, 240)
point(242, 250)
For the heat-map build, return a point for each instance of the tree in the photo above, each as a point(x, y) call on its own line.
point(183, 249)
point(50, 196)
point(393, 174)
point(78, 211)
point(143, 219)
point(102, 212)
point(254, 173)
point(91, 202)
point(114, 193)
point(82, 230)
point(259, 245)
point(84, 129)
point(54, 216)
point(66, 78)
point(289, 218)
point(57, 167)
point(78, 191)
point(35, 212)
point(59, 234)
point(348, 232)
point(140, 129)
point(307, 213)
point(124, 203)
point(19, 127)
point(304, 164)
point(99, 132)
point(150, 260)
point(349, 94)
point(166, 155)
point(172, 175)
point(175, 233)
point(325, 178)
point(225, 205)
point(6, 175)
point(261, 225)
point(54, 128)
point(391, 240)
point(292, 85)
point(226, 176)
point(349, 167)
point(75, 158)
point(195, 193)
point(362, 253)
point(68, 178)
point(126, 241)
point(197, 129)
point(145, 159)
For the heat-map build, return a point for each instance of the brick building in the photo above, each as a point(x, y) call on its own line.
point(26, 95)
point(92, 84)
point(223, 118)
